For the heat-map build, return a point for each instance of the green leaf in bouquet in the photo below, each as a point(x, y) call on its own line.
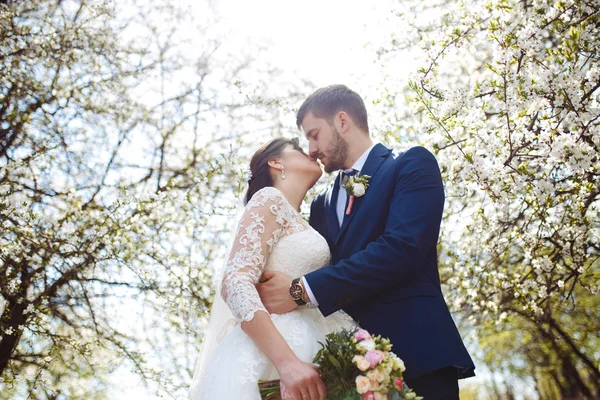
point(344, 395)
point(270, 390)
point(335, 362)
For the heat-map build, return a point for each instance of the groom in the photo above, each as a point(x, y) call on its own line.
point(383, 268)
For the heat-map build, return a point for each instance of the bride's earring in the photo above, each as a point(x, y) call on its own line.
point(282, 173)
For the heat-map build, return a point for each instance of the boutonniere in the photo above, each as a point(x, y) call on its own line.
point(356, 186)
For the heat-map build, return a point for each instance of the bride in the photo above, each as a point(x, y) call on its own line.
point(271, 235)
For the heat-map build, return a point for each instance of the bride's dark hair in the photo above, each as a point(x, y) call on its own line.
point(259, 167)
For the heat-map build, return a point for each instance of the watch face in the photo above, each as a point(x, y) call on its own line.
point(296, 292)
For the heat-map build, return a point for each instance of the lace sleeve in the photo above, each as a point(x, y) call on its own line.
point(261, 226)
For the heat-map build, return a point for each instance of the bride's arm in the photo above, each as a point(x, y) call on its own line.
point(259, 229)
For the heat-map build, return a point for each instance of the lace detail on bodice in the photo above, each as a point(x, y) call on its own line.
point(269, 220)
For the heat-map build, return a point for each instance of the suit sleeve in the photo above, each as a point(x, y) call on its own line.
point(313, 218)
point(317, 217)
point(411, 230)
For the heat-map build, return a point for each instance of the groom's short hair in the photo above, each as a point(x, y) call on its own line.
point(328, 101)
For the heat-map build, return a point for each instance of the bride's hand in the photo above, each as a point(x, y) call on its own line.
point(302, 381)
point(274, 291)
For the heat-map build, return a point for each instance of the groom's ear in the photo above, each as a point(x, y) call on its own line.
point(342, 121)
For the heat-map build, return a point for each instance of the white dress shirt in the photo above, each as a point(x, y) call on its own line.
point(341, 204)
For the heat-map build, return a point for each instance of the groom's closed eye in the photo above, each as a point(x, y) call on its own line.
point(312, 134)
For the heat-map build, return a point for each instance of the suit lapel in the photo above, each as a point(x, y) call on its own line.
point(374, 161)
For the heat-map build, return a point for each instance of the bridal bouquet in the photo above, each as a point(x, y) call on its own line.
point(355, 365)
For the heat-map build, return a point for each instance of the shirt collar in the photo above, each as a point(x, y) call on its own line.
point(360, 163)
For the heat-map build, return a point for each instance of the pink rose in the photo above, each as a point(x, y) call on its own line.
point(369, 396)
point(374, 357)
point(361, 334)
point(399, 382)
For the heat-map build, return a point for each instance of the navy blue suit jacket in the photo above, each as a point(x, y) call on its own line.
point(384, 270)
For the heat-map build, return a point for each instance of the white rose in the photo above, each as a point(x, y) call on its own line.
point(362, 384)
point(376, 375)
point(399, 364)
point(366, 345)
point(358, 189)
point(373, 385)
point(361, 363)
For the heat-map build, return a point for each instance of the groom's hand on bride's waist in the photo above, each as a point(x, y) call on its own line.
point(274, 291)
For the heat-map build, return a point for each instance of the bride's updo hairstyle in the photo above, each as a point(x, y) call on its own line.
point(259, 167)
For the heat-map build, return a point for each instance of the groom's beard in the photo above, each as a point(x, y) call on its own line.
point(338, 153)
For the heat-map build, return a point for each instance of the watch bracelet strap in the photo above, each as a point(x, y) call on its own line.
point(301, 301)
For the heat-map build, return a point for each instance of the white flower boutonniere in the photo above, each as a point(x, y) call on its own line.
point(356, 186)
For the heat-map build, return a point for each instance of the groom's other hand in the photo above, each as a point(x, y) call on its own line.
point(274, 291)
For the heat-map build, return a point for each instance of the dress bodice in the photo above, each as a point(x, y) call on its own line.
point(271, 235)
point(299, 253)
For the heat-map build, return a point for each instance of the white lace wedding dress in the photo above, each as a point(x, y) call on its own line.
point(271, 235)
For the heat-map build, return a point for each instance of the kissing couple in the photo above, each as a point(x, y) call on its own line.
point(368, 255)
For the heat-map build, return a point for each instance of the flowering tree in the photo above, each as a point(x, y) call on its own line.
point(508, 97)
point(117, 183)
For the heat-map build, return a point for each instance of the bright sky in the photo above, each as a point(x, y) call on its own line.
point(323, 40)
